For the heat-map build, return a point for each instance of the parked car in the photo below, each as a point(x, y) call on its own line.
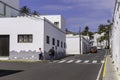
point(93, 49)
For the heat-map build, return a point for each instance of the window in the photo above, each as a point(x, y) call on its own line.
point(25, 38)
point(58, 43)
point(53, 41)
point(64, 45)
point(47, 39)
point(56, 24)
point(61, 44)
point(119, 16)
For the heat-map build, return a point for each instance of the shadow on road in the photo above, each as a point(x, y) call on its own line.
point(8, 72)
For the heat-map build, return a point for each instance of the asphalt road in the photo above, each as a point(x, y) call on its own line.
point(84, 67)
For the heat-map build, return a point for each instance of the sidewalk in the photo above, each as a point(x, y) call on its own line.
point(110, 73)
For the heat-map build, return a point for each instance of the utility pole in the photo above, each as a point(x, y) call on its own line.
point(80, 39)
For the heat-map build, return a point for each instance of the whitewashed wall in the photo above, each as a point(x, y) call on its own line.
point(116, 36)
point(56, 18)
point(96, 42)
point(39, 28)
point(73, 44)
point(23, 25)
point(53, 32)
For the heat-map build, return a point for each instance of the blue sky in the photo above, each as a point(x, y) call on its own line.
point(77, 13)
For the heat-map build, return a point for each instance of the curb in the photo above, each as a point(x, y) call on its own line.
point(25, 61)
point(104, 68)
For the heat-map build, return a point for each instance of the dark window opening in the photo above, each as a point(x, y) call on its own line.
point(58, 43)
point(53, 41)
point(47, 39)
point(25, 38)
point(64, 45)
point(61, 44)
point(56, 24)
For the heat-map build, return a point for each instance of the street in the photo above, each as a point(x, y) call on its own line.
point(79, 67)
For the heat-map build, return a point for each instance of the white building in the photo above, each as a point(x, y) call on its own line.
point(95, 40)
point(76, 45)
point(9, 8)
point(21, 37)
point(115, 37)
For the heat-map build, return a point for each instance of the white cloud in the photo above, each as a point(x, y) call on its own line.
point(77, 1)
point(56, 7)
point(95, 4)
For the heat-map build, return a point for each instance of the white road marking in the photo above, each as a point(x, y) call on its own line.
point(69, 61)
point(86, 61)
point(62, 61)
point(94, 61)
point(78, 61)
point(100, 71)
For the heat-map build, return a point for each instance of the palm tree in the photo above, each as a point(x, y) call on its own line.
point(25, 10)
point(86, 31)
point(35, 13)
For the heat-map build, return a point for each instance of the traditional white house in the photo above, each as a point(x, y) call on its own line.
point(9, 8)
point(115, 36)
point(95, 40)
point(21, 37)
point(76, 44)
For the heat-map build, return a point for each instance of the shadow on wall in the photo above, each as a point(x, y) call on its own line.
point(33, 55)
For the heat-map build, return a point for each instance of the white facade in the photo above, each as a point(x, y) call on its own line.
point(95, 41)
point(115, 37)
point(74, 46)
point(39, 28)
point(8, 8)
point(58, 19)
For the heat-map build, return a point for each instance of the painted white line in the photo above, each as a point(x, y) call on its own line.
point(94, 61)
point(99, 74)
point(86, 61)
point(62, 61)
point(69, 61)
point(78, 61)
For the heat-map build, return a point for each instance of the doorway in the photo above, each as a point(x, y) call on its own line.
point(4, 45)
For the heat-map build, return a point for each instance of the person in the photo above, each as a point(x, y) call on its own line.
point(40, 54)
point(51, 54)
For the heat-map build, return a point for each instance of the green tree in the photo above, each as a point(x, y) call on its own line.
point(91, 35)
point(104, 29)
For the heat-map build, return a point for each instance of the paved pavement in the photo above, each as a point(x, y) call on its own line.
point(49, 71)
point(110, 73)
point(84, 67)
